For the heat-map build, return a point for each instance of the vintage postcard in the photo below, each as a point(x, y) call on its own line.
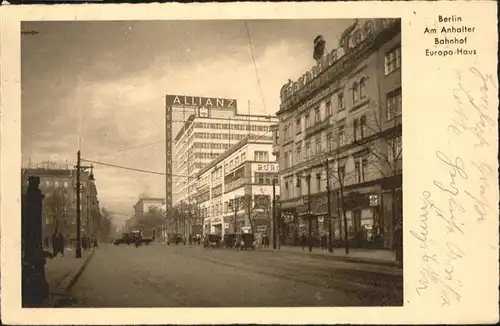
point(245, 161)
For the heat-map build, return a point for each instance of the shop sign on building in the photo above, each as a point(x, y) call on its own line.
point(197, 101)
point(266, 167)
point(226, 225)
point(373, 200)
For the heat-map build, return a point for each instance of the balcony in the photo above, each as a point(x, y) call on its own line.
point(234, 185)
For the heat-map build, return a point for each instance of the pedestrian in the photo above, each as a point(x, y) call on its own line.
point(60, 243)
point(54, 245)
point(398, 242)
point(303, 241)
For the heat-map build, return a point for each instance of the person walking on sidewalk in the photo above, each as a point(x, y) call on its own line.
point(54, 245)
point(60, 243)
point(303, 241)
point(398, 242)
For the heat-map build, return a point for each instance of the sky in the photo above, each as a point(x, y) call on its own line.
point(105, 83)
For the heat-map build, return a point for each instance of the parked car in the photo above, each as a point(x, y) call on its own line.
point(245, 241)
point(126, 238)
point(212, 241)
point(175, 238)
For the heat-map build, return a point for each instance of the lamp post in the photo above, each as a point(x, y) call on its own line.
point(234, 207)
point(80, 168)
point(307, 177)
point(330, 226)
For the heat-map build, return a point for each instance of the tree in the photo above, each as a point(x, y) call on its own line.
point(250, 205)
point(382, 140)
point(378, 142)
point(106, 224)
point(55, 205)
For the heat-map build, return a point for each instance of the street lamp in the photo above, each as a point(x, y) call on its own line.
point(307, 177)
point(235, 208)
point(79, 169)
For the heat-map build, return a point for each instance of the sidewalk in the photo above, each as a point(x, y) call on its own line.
point(61, 272)
point(369, 256)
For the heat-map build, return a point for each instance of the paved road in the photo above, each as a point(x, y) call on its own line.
point(184, 276)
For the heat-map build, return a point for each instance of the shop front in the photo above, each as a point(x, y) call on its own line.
point(261, 227)
point(206, 227)
point(363, 217)
point(289, 222)
point(216, 226)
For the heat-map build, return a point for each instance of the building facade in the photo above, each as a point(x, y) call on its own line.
point(341, 123)
point(145, 203)
point(58, 184)
point(235, 191)
point(206, 135)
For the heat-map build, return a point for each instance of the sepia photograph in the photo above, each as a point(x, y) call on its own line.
point(243, 163)
point(216, 163)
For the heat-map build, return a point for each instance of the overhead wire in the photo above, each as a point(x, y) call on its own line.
point(255, 66)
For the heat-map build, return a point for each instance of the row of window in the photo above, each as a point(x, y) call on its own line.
point(359, 131)
point(58, 184)
point(308, 120)
point(230, 126)
point(229, 206)
point(211, 145)
point(206, 156)
point(360, 173)
point(206, 135)
point(259, 156)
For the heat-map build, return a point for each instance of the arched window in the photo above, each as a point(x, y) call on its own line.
point(362, 88)
point(355, 92)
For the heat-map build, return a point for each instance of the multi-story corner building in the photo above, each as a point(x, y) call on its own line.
point(145, 203)
point(234, 192)
point(345, 111)
point(58, 184)
point(204, 136)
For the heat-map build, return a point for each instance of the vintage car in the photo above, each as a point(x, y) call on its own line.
point(126, 238)
point(175, 238)
point(245, 241)
point(212, 241)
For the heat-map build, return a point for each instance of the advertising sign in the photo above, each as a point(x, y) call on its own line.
point(197, 101)
point(266, 167)
point(203, 105)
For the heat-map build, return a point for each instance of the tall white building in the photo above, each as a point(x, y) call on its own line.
point(205, 135)
point(235, 191)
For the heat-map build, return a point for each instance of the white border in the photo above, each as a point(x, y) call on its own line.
point(427, 85)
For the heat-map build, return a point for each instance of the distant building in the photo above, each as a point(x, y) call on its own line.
point(58, 184)
point(238, 181)
point(206, 134)
point(145, 203)
point(345, 111)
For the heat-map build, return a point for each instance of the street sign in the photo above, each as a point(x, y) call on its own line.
point(373, 200)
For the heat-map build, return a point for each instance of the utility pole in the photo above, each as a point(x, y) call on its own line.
point(78, 226)
point(309, 213)
point(330, 228)
point(79, 168)
point(308, 178)
point(274, 214)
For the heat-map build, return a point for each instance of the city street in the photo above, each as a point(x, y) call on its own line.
point(182, 276)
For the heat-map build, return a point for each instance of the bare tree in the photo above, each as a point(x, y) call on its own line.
point(250, 205)
point(56, 204)
point(380, 136)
